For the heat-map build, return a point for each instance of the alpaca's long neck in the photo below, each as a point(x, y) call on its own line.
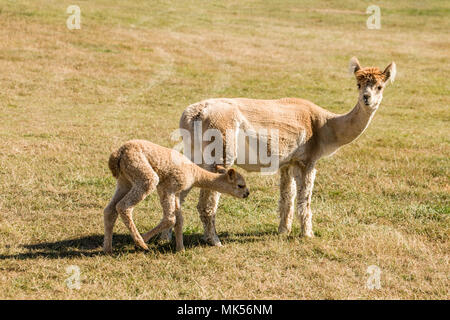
point(207, 180)
point(348, 127)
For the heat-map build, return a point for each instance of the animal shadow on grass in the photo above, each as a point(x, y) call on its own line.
point(90, 246)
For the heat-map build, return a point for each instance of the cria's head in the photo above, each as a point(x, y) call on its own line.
point(235, 182)
point(371, 82)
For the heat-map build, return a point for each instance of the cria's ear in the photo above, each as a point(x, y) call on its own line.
point(354, 65)
point(220, 169)
point(231, 174)
point(390, 72)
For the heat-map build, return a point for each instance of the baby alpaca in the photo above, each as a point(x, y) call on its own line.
point(141, 166)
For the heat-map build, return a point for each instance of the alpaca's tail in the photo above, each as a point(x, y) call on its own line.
point(192, 114)
point(114, 162)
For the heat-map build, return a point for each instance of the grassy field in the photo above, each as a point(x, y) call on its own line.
point(69, 97)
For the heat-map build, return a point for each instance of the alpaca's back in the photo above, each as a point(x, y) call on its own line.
point(167, 163)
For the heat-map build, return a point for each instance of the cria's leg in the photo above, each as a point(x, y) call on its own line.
point(125, 208)
point(144, 180)
point(168, 203)
point(110, 212)
point(179, 225)
point(166, 235)
point(305, 184)
point(207, 206)
point(286, 204)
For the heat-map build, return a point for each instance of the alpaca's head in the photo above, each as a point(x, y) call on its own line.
point(371, 82)
point(234, 182)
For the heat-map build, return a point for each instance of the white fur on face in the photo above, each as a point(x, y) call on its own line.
point(375, 95)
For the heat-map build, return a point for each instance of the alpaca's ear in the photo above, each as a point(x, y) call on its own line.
point(220, 169)
point(231, 174)
point(354, 65)
point(390, 72)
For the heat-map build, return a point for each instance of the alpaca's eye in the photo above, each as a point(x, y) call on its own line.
point(359, 86)
point(241, 186)
point(380, 87)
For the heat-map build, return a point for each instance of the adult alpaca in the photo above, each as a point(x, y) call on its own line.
point(306, 133)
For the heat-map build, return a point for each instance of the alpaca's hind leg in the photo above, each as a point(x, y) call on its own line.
point(144, 180)
point(207, 207)
point(209, 200)
point(286, 204)
point(125, 209)
point(110, 212)
point(168, 203)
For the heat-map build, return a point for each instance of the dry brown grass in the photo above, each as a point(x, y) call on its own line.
point(69, 97)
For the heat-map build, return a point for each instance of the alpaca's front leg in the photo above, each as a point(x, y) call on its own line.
point(305, 184)
point(179, 226)
point(286, 204)
point(168, 203)
point(207, 206)
point(166, 235)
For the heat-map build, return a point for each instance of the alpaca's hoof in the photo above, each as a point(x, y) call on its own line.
point(166, 236)
point(284, 230)
point(307, 234)
point(213, 241)
point(141, 246)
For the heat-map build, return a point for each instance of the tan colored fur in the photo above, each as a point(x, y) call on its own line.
point(306, 133)
point(141, 167)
